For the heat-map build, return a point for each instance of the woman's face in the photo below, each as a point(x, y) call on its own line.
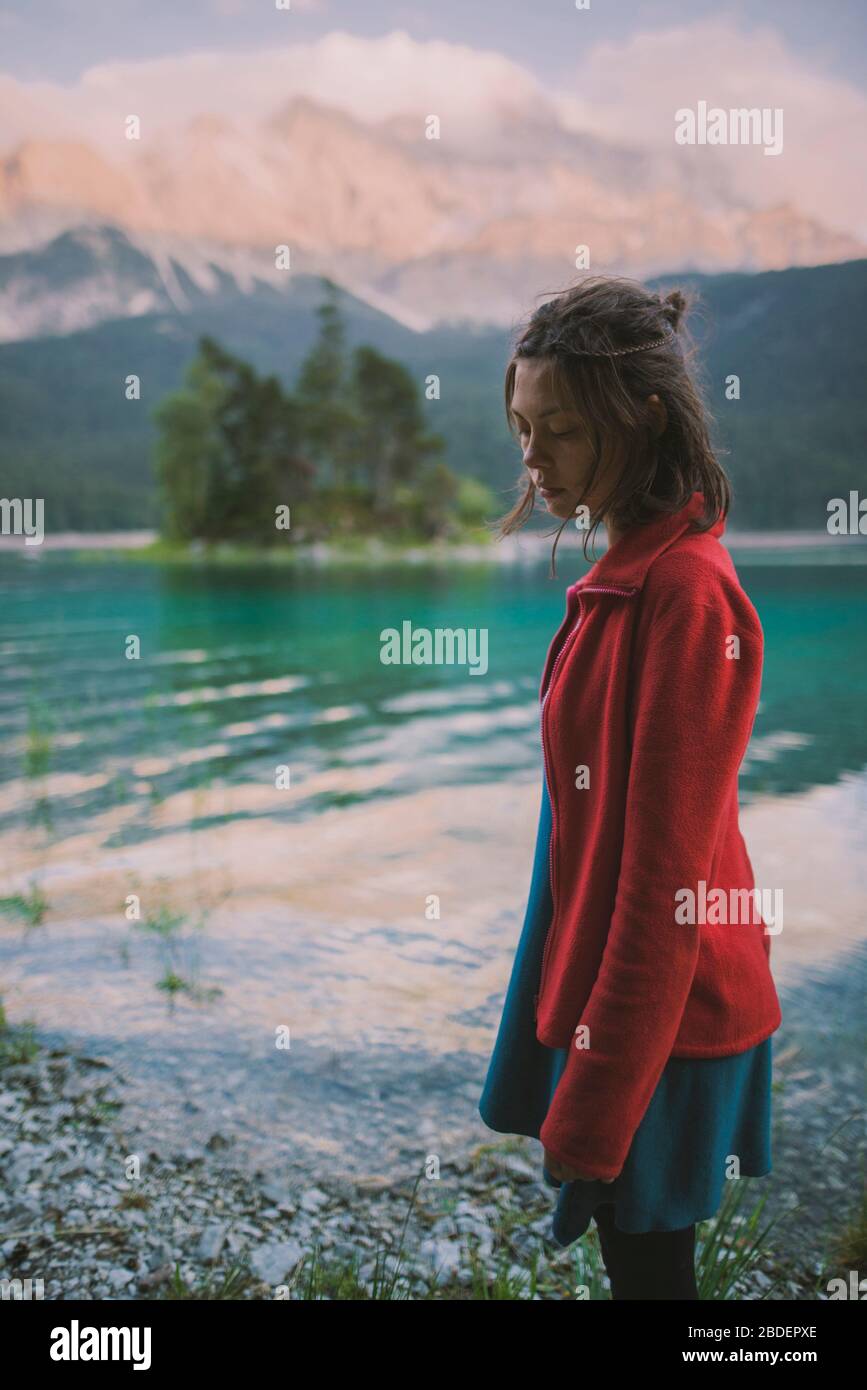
point(557, 449)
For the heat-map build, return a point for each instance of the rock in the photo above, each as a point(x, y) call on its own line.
point(18, 1174)
point(72, 1168)
point(520, 1168)
point(156, 1277)
point(211, 1242)
point(161, 1252)
point(272, 1263)
point(313, 1200)
point(77, 1087)
point(442, 1257)
point(278, 1193)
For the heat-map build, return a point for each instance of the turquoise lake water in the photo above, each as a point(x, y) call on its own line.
point(242, 671)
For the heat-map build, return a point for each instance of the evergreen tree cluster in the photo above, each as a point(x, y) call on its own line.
point(347, 451)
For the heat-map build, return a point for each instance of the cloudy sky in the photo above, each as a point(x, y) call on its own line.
point(59, 39)
point(619, 70)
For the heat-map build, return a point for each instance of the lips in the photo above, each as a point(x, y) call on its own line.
point(552, 491)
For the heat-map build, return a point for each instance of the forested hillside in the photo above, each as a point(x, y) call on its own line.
point(795, 338)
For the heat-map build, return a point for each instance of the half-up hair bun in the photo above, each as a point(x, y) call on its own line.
point(604, 344)
point(674, 306)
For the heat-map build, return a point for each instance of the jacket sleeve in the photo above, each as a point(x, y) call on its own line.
point(692, 712)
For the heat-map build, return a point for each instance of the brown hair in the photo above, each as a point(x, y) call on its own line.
point(611, 343)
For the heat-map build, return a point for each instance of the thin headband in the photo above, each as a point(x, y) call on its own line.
point(622, 352)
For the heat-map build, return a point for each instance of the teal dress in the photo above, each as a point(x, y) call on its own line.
point(704, 1109)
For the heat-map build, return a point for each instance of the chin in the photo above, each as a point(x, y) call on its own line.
point(561, 507)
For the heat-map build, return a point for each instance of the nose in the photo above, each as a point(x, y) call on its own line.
point(535, 467)
point(531, 459)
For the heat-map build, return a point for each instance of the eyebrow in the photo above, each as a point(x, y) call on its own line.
point(552, 410)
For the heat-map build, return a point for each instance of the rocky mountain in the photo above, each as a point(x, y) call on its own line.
point(426, 231)
point(90, 274)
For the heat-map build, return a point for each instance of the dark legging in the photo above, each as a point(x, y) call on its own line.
point(653, 1264)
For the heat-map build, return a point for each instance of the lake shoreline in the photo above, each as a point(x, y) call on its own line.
point(145, 547)
point(191, 1223)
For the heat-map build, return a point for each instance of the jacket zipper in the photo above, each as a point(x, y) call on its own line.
point(587, 589)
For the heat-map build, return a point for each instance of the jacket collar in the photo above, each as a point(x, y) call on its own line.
point(627, 561)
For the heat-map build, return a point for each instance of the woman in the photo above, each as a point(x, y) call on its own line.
point(635, 1038)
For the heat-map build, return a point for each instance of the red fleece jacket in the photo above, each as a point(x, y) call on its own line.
point(646, 689)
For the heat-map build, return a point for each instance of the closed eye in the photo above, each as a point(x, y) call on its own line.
point(557, 434)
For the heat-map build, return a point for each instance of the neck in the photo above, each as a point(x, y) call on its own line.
point(612, 531)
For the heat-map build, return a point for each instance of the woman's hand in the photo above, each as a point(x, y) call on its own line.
point(562, 1173)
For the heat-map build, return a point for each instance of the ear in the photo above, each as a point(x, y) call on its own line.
point(657, 414)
